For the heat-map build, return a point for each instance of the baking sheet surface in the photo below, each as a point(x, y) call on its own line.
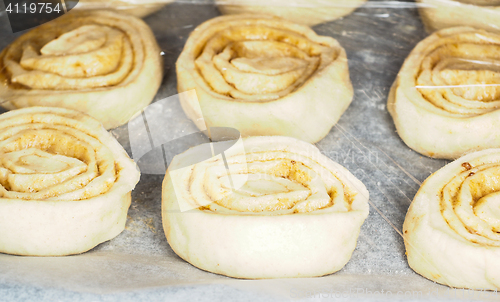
point(139, 263)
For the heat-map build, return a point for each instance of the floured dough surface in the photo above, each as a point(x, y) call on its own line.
point(279, 209)
point(452, 229)
point(65, 182)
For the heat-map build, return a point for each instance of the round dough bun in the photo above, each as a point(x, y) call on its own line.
point(263, 75)
point(446, 98)
point(306, 12)
point(65, 182)
point(293, 213)
point(137, 8)
point(102, 63)
point(452, 229)
point(439, 14)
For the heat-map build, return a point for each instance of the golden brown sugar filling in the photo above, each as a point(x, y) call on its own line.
point(52, 161)
point(259, 62)
point(77, 53)
point(470, 202)
point(271, 183)
point(461, 73)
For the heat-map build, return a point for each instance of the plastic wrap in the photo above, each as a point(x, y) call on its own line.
point(139, 264)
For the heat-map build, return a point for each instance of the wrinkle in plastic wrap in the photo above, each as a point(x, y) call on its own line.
point(377, 37)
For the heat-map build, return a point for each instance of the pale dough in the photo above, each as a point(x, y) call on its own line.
point(439, 14)
point(452, 229)
point(102, 63)
point(138, 8)
point(446, 98)
point(284, 210)
point(264, 76)
point(306, 12)
point(65, 182)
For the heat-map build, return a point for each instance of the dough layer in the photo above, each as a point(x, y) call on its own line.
point(305, 12)
point(446, 98)
point(439, 14)
point(102, 63)
point(264, 76)
point(283, 211)
point(65, 182)
point(137, 8)
point(452, 229)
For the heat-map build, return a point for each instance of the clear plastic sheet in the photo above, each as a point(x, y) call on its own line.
point(139, 264)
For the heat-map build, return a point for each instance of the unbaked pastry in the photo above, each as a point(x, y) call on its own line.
point(102, 63)
point(264, 76)
point(138, 8)
point(65, 182)
point(439, 14)
point(301, 11)
point(445, 101)
point(452, 229)
point(293, 213)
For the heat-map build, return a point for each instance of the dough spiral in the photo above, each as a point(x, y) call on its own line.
point(445, 101)
point(102, 63)
point(452, 229)
point(305, 12)
point(439, 14)
point(264, 76)
point(290, 211)
point(65, 182)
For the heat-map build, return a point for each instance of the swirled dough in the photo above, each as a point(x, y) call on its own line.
point(264, 76)
point(102, 63)
point(295, 213)
point(445, 101)
point(138, 8)
point(439, 14)
point(65, 182)
point(452, 229)
point(306, 12)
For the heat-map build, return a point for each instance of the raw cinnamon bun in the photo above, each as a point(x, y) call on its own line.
point(102, 63)
point(274, 208)
point(65, 182)
point(264, 76)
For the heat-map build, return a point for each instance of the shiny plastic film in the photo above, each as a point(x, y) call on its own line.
point(330, 150)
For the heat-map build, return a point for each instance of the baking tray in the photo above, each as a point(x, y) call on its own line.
point(139, 264)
